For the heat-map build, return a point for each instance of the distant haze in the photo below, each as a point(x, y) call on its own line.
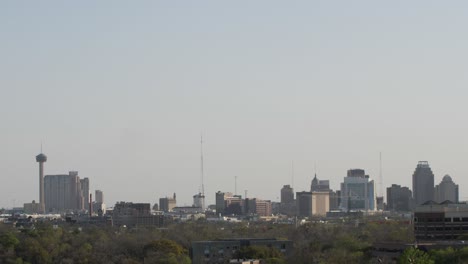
point(121, 91)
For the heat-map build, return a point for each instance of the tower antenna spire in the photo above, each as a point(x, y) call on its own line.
point(292, 173)
point(315, 168)
point(235, 185)
point(201, 168)
point(380, 174)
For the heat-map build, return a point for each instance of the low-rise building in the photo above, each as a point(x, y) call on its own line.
point(440, 221)
point(135, 214)
point(221, 251)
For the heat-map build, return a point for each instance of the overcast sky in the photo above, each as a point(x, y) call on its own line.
point(121, 91)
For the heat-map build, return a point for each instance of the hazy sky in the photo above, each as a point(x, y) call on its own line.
point(121, 90)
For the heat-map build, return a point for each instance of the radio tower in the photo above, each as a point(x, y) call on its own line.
point(379, 198)
point(201, 167)
point(380, 175)
point(199, 198)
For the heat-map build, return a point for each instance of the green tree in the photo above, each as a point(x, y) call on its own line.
point(165, 251)
point(8, 240)
point(415, 256)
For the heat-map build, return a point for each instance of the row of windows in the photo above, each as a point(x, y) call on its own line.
point(464, 228)
point(447, 219)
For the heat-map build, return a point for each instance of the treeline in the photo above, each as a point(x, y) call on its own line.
point(439, 256)
point(313, 243)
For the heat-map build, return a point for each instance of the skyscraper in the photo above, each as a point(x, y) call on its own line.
point(319, 185)
point(84, 184)
point(99, 196)
point(287, 194)
point(423, 183)
point(446, 190)
point(358, 192)
point(220, 205)
point(399, 198)
point(64, 192)
point(315, 203)
point(288, 204)
point(41, 158)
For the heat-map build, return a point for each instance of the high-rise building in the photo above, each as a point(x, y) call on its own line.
point(166, 204)
point(229, 204)
point(199, 201)
point(319, 185)
point(257, 206)
point(234, 205)
point(335, 200)
point(98, 205)
point(423, 183)
point(288, 204)
point(446, 190)
point(99, 196)
point(358, 192)
point(304, 204)
point(312, 203)
point(64, 192)
point(85, 192)
point(220, 205)
point(287, 194)
point(399, 199)
point(41, 158)
point(263, 207)
point(320, 203)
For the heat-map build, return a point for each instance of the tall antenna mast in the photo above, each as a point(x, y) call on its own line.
point(201, 167)
point(292, 174)
point(380, 174)
point(235, 185)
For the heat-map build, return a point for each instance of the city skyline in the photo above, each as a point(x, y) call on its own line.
point(314, 179)
point(120, 92)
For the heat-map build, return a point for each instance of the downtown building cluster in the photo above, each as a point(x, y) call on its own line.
point(65, 193)
point(357, 193)
point(435, 209)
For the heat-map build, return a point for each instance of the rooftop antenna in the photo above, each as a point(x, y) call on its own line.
point(292, 174)
point(315, 168)
point(235, 185)
point(201, 167)
point(380, 174)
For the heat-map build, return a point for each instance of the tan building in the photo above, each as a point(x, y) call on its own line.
point(312, 203)
point(65, 192)
point(320, 203)
point(32, 208)
point(263, 208)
